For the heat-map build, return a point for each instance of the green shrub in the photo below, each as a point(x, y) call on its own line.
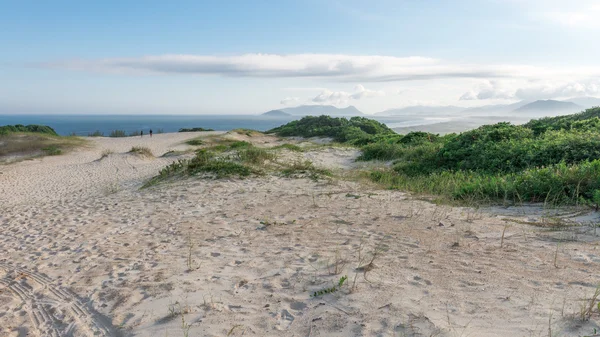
point(190, 130)
point(355, 129)
point(52, 150)
point(6, 129)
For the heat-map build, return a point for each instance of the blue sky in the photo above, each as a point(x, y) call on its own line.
point(253, 56)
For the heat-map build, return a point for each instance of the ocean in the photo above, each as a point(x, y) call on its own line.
point(83, 125)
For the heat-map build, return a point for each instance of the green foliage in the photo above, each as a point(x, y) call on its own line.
point(356, 130)
point(290, 147)
point(189, 130)
point(207, 162)
point(553, 160)
point(239, 145)
point(331, 290)
point(52, 150)
point(195, 142)
point(96, 133)
point(568, 122)
point(255, 155)
point(6, 129)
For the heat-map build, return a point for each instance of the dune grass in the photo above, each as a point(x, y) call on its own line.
point(26, 145)
point(141, 151)
point(287, 146)
point(117, 134)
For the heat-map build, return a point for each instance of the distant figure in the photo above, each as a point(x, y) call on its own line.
point(142, 134)
point(150, 133)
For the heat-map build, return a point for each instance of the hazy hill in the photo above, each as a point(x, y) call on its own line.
point(549, 106)
point(420, 110)
point(276, 113)
point(498, 108)
point(586, 102)
point(317, 110)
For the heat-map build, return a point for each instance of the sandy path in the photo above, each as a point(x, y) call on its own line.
point(77, 261)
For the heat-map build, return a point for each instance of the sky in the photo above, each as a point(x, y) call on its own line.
point(244, 57)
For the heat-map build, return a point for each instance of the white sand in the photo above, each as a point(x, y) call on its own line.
point(85, 252)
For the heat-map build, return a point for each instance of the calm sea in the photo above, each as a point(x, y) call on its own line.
point(83, 125)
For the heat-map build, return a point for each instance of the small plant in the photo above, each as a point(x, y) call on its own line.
point(589, 304)
point(290, 147)
point(142, 151)
point(331, 290)
point(190, 246)
point(105, 153)
point(195, 142)
point(240, 144)
point(52, 150)
point(255, 155)
point(96, 133)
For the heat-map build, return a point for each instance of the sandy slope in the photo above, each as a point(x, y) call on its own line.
point(78, 258)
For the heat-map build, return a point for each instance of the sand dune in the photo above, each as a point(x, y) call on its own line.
point(85, 252)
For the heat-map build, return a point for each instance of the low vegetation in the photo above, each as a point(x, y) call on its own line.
point(355, 131)
point(18, 142)
point(141, 151)
point(222, 158)
point(551, 160)
point(117, 133)
point(194, 130)
point(43, 129)
point(195, 142)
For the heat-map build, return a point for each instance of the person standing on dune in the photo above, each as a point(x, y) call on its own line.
point(142, 133)
point(150, 133)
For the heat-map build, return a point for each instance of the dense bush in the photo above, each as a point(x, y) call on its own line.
point(356, 130)
point(555, 160)
point(189, 130)
point(6, 129)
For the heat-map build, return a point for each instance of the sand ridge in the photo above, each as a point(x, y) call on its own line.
point(242, 257)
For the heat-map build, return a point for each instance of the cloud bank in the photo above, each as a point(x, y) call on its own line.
point(342, 97)
point(349, 68)
point(533, 90)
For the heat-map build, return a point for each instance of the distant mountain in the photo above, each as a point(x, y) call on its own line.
point(276, 113)
point(421, 110)
point(586, 102)
point(317, 110)
point(549, 106)
point(498, 108)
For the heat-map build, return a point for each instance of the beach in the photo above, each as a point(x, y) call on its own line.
point(86, 251)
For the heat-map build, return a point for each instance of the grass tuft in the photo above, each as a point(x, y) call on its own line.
point(141, 151)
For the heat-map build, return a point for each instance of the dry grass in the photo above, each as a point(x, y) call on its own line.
point(23, 146)
point(142, 151)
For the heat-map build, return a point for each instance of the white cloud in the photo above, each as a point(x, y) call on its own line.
point(290, 101)
point(548, 90)
point(488, 90)
point(342, 97)
point(533, 90)
point(352, 68)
